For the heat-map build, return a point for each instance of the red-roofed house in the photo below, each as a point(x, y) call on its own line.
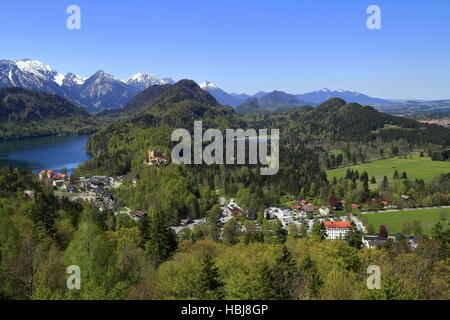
point(51, 173)
point(337, 229)
point(42, 174)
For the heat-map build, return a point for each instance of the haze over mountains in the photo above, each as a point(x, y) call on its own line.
point(102, 91)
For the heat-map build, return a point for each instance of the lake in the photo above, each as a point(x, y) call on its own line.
point(45, 153)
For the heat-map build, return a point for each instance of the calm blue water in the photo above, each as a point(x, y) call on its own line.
point(44, 153)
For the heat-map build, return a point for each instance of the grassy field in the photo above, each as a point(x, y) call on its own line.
point(415, 167)
point(394, 220)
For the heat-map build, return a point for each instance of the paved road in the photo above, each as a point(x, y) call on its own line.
point(404, 209)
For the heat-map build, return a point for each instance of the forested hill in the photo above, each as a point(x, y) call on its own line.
point(184, 103)
point(335, 121)
point(179, 105)
point(26, 113)
point(176, 106)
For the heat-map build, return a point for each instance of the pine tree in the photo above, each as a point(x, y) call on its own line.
point(266, 290)
point(373, 180)
point(385, 183)
point(404, 175)
point(286, 276)
point(383, 233)
point(395, 174)
point(210, 285)
point(44, 213)
point(349, 174)
point(162, 240)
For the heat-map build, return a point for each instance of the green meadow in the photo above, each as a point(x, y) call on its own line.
point(415, 167)
point(394, 220)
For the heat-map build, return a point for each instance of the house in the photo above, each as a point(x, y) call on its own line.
point(324, 211)
point(355, 206)
point(60, 176)
point(58, 183)
point(185, 222)
point(296, 207)
point(86, 185)
point(337, 229)
point(309, 208)
point(155, 157)
point(304, 202)
point(387, 205)
point(69, 188)
point(29, 194)
point(412, 241)
point(42, 174)
point(372, 242)
point(51, 173)
point(405, 197)
point(137, 214)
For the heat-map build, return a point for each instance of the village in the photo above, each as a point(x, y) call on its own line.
point(97, 191)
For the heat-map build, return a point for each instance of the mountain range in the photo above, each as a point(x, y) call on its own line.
point(155, 112)
point(98, 92)
point(102, 91)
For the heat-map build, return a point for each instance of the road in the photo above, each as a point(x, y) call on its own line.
point(405, 209)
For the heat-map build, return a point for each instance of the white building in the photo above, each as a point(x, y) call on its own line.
point(58, 183)
point(324, 211)
point(337, 229)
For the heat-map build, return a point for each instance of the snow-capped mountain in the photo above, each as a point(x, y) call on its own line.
point(103, 91)
point(221, 96)
point(29, 74)
point(98, 92)
point(144, 80)
point(168, 80)
point(71, 80)
point(324, 94)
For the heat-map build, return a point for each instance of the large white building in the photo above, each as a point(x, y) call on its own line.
point(337, 229)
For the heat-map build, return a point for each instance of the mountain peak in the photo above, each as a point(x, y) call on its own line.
point(35, 67)
point(72, 79)
point(101, 75)
point(144, 80)
point(168, 80)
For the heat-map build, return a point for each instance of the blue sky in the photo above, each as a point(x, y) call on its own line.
point(243, 46)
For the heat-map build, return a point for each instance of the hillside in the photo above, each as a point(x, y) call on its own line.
point(25, 113)
point(335, 120)
point(156, 112)
point(415, 107)
point(150, 119)
point(275, 101)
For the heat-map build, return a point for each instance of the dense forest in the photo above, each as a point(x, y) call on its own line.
point(251, 257)
point(25, 113)
point(120, 258)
